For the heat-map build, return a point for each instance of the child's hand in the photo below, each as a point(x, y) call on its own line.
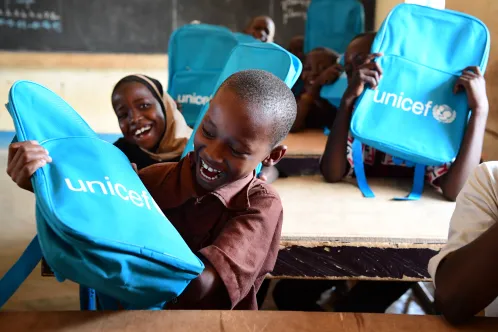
point(472, 82)
point(368, 72)
point(329, 76)
point(23, 161)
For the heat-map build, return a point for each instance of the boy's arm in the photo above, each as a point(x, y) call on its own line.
point(470, 152)
point(236, 257)
point(333, 164)
point(466, 273)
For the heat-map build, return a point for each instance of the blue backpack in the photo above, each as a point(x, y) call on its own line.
point(263, 56)
point(413, 114)
point(333, 92)
point(333, 24)
point(97, 225)
point(197, 54)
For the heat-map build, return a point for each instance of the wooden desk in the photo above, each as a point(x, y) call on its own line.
point(331, 232)
point(304, 150)
point(227, 321)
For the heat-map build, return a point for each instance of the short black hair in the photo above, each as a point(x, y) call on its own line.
point(329, 51)
point(365, 34)
point(275, 103)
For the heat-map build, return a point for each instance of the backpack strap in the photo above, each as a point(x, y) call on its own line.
point(88, 300)
point(20, 270)
point(359, 169)
point(418, 185)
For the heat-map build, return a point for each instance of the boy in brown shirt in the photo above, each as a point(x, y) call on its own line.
point(212, 196)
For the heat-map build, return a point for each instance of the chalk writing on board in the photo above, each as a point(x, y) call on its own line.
point(30, 15)
point(292, 9)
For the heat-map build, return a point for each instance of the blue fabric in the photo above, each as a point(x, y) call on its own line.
point(97, 224)
point(263, 56)
point(88, 300)
point(333, 92)
point(197, 54)
point(11, 281)
point(359, 170)
point(333, 24)
point(413, 114)
point(418, 185)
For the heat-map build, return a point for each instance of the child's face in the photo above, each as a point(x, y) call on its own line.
point(296, 47)
point(356, 51)
point(262, 28)
point(140, 115)
point(316, 62)
point(230, 142)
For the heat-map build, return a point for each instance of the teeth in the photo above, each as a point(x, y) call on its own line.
point(210, 169)
point(141, 130)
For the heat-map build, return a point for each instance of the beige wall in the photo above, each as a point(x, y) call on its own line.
point(487, 11)
point(383, 7)
point(85, 81)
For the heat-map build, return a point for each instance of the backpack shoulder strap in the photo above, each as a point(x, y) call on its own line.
point(418, 185)
point(20, 270)
point(359, 170)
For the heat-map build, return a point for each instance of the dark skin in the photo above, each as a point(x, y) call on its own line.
point(137, 108)
point(320, 68)
point(467, 278)
point(233, 138)
point(296, 47)
point(363, 71)
point(262, 28)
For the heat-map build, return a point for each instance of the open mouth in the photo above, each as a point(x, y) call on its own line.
point(143, 131)
point(209, 173)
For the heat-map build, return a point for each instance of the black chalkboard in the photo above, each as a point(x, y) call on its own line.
point(136, 26)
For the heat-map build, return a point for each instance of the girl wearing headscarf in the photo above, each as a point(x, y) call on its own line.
point(153, 129)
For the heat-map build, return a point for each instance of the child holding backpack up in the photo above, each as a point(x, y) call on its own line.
point(320, 68)
point(362, 70)
point(227, 216)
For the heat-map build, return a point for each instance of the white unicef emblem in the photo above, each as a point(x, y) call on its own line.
point(444, 113)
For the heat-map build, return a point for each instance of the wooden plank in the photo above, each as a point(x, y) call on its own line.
point(227, 321)
point(306, 143)
point(42, 60)
point(317, 212)
point(353, 263)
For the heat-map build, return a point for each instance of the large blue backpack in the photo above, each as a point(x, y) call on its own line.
point(97, 225)
point(263, 56)
point(413, 114)
point(197, 54)
point(333, 24)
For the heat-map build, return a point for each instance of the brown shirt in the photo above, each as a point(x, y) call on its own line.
point(236, 228)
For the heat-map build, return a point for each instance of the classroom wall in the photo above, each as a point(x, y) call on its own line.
point(85, 81)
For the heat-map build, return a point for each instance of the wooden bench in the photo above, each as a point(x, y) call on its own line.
point(227, 321)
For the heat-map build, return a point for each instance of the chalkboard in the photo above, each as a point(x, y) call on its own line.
point(136, 26)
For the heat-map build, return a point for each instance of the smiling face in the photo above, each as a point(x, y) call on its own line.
point(140, 115)
point(230, 141)
point(262, 28)
point(317, 61)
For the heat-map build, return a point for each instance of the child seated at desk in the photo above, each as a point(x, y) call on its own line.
point(464, 271)
point(153, 129)
point(320, 67)
point(372, 296)
point(337, 161)
point(231, 219)
point(261, 28)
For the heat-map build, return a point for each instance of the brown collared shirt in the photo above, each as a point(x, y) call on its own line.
point(236, 228)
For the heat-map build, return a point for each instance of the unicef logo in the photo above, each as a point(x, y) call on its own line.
point(444, 113)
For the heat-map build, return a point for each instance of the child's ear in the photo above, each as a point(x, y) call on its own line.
point(275, 155)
